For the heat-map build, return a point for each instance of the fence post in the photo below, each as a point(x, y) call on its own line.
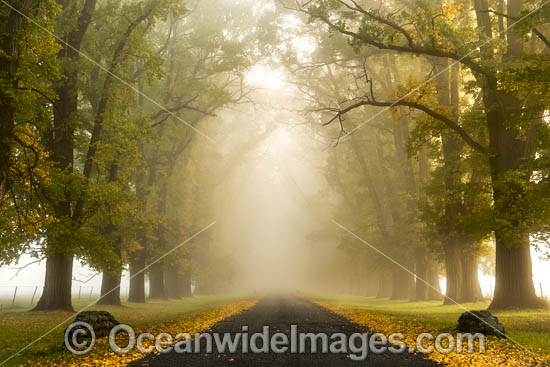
point(34, 294)
point(541, 294)
point(91, 291)
point(79, 291)
point(14, 295)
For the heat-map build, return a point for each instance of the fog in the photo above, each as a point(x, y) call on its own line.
point(269, 160)
point(267, 204)
point(271, 201)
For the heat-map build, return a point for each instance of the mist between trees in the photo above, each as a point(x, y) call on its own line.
point(420, 126)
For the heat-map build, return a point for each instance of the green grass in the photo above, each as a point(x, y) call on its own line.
point(18, 328)
point(530, 328)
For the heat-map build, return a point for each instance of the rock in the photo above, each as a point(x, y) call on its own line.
point(480, 322)
point(101, 321)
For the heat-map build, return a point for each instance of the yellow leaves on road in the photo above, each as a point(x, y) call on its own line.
point(498, 352)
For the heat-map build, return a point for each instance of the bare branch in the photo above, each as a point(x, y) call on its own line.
point(24, 267)
point(415, 105)
point(411, 49)
point(397, 27)
point(87, 280)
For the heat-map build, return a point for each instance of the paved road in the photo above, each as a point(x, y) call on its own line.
point(279, 313)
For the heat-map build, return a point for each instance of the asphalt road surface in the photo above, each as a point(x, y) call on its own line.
point(279, 313)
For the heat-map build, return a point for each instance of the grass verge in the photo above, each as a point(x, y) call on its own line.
point(529, 328)
point(19, 328)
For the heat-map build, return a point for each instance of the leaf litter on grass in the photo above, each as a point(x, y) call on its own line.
point(102, 355)
point(499, 352)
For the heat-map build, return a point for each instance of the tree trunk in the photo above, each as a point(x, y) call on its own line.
point(171, 282)
point(399, 288)
point(62, 157)
point(57, 285)
point(434, 292)
point(471, 290)
point(514, 274)
point(421, 289)
point(514, 284)
point(110, 282)
point(412, 288)
point(382, 214)
point(453, 272)
point(427, 266)
point(385, 285)
point(156, 282)
point(372, 282)
point(357, 287)
point(110, 288)
point(137, 280)
point(185, 283)
point(401, 284)
point(514, 277)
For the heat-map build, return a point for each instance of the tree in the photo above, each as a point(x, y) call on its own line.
point(390, 176)
point(508, 152)
point(205, 68)
point(27, 69)
point(19, 50)
point(60, 141)
point(75, 202)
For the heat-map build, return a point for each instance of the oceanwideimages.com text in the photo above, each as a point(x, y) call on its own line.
point(80, 339)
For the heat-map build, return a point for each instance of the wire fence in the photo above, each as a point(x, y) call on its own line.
point(26, 296)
